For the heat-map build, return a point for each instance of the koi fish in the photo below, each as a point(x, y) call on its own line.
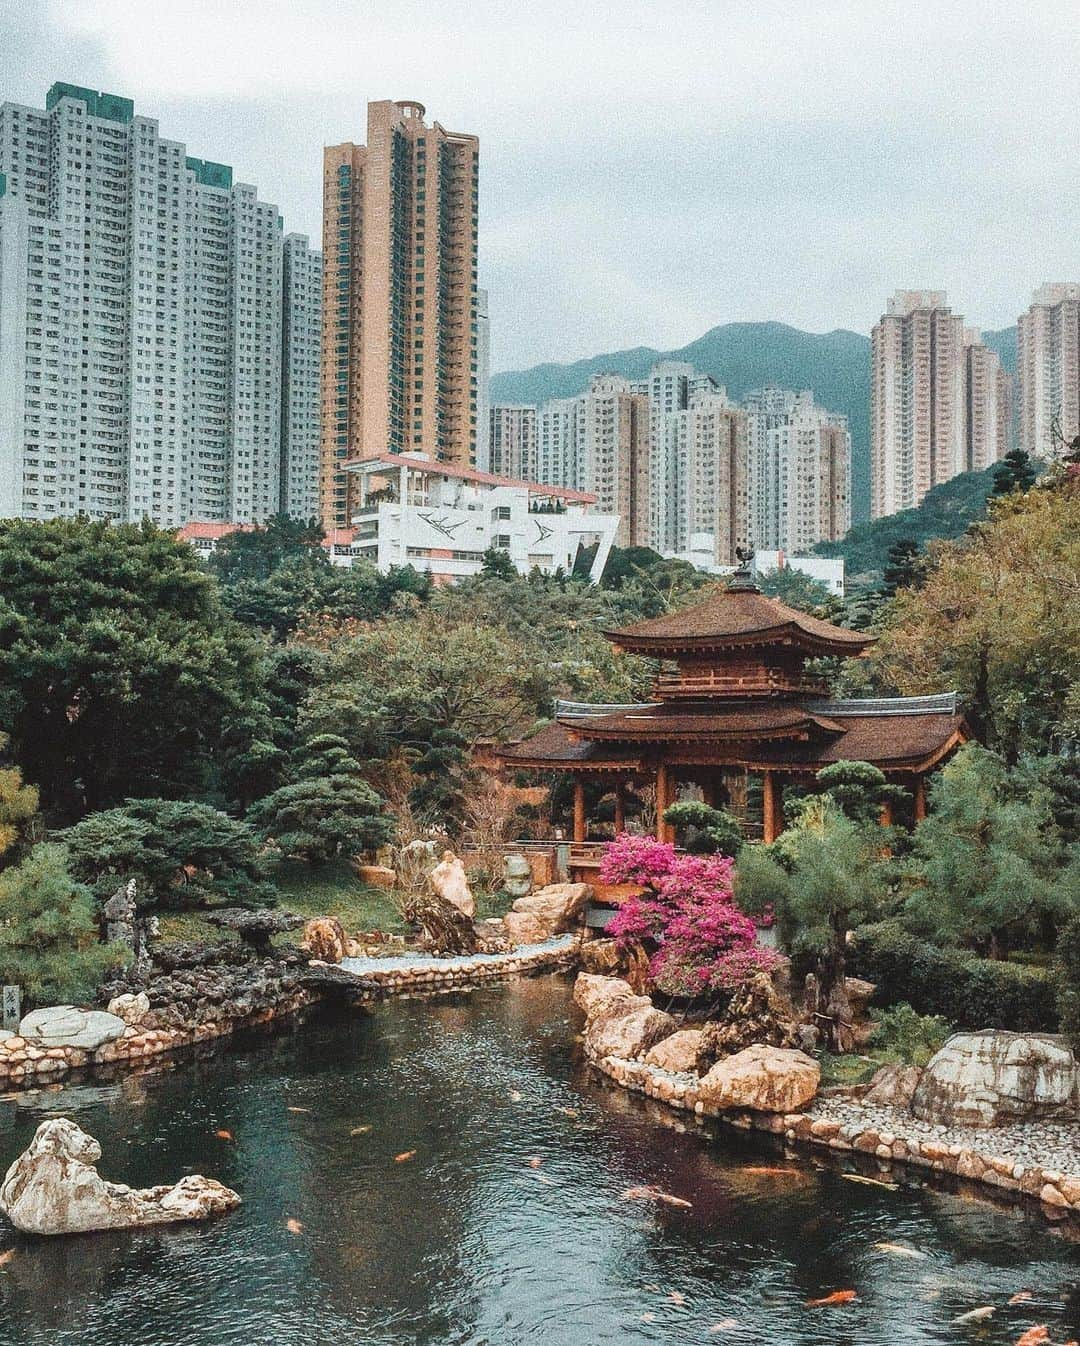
point(974, 1316)
point(837, 1297)
point(1033, 1336)
point(870, 1182)
point(223, 1135)
point(404, 1156)
point(294, 1226)
point(898, 1250)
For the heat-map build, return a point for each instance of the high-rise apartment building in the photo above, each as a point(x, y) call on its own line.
point(599, 442)
point(483, 382)
point(705, 481)
point(800, 471)
point(301, 370)
point(140, 322)
point(987, 405)
point(400, 297)
point(512, 437)
point(916, 400)
point(1048, 360)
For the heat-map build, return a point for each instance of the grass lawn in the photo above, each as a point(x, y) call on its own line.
point(324, 890)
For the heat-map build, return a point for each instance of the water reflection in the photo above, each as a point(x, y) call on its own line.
point(475, 1242)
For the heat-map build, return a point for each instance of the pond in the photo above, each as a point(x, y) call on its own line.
point(470, 1240)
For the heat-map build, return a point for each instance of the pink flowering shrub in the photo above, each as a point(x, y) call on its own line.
point(701, 941)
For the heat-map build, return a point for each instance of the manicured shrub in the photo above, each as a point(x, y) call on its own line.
point(967, 991)
point(704, 830)
point(907, 1036)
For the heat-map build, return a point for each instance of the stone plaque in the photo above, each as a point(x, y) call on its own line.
point(12, 1008)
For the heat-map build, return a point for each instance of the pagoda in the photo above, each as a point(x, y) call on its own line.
point(734, 699)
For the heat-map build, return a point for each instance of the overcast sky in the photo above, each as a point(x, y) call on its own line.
point(647, 170)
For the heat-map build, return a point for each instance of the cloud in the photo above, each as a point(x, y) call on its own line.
point(647, 170)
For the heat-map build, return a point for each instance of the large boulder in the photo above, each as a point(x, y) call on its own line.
point(544, 914)
point(762, 1078)
point(602, 956)
point(325, 939)
point(54, 1188)
point(995, 1077)
point(757, 1013)
point(626, 1029)
point(680, 1053)
point(593, 993)
point(67, 1026)
point(132, 1008)
point(448, 881)
point(893, 1086)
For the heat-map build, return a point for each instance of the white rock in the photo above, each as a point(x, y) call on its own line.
point(66, 1026)
point(995, 1077)
point(54, 1188)
point(133, 1009)
point(448, 881)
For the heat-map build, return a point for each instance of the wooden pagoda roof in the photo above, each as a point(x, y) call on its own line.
point(737, 616)
point(896, 733)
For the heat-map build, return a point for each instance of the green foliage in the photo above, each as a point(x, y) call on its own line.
point(858, 789)
point(987, 866)
point(497, 565)
point(907, 1037)
point(18, 807)
point(1067, 978)
point(182, 854)
point(255, 553)
point(442, 775)
point(327, 809)
point(49, 941)
point(903, 567)
point(965, 990)
point(800, 591)
point(1015, 472)
point(118, 666)
point(946, 511)
point(704, 830)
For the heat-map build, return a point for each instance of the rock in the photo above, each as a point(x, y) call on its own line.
point(66, 1026)
point(893, 1086)
point(762, 1078)
point(325, 939)
point(995, 1077)
point(255, 928)
point(859, 993)
point(626, 1028)
point(54, 1188)
point(517, 875)
point(756, 1013)
point(602, 956)
point(448, 881)
point(523, 927)
point(133, 1009)
point(552, 910)
point(375, 876)
point(679, 1053)
point(592, 993)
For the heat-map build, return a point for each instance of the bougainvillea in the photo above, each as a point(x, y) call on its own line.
point(686, 915)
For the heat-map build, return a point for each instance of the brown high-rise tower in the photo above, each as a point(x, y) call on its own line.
point(399, 297)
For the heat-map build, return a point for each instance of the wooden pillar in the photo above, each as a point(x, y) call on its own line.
point(709, 792)
point(579, 809)
point(664, 796)
point(887, 814)
point(620, 808)
point(772, 814)
point(920, 799)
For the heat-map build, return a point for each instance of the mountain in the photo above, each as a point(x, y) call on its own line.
point(741, 356)
point(1004, 343)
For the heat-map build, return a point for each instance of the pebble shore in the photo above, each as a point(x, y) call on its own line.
point(1040, 1161)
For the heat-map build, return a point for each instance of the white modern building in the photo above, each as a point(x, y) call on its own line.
point(800, 470)
point(442, 518)
point(301, 366)
point(828, 571)
point(1048, 360)
point(141, 322)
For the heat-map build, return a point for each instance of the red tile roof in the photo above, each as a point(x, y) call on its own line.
point(670, 722)
point(434, 468)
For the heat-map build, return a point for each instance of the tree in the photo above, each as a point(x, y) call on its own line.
point(497, 565)
point(987, 864)
point(799, 590)
point(822, 877)
point(327, 809)
point(182, 854)
point(254, 553)
point(1015, 472)
point(49, 941)
point(18, 806)
point(118, 665)
point(998, 620)
point(859, 790)
point(704, 830)
point(1067, 978)
point(903, 567)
